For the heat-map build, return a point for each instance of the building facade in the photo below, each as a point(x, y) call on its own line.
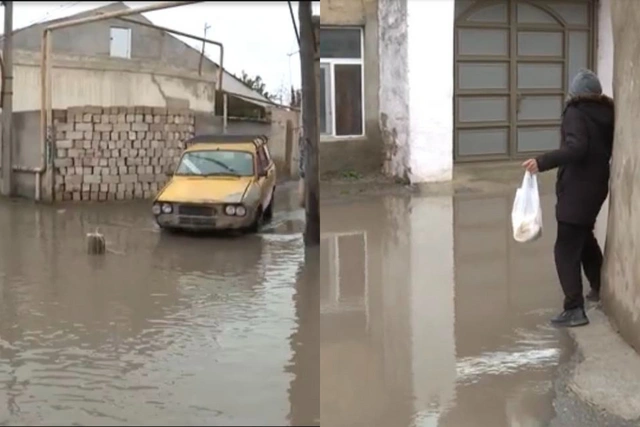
point(115, 62)
point(412, 87)
point(118, 68)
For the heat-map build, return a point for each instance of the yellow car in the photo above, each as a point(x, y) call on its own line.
point(222, 182)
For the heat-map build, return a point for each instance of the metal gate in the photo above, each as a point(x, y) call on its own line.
point(514, 60)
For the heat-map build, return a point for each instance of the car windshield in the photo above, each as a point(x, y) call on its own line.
point(216, 162)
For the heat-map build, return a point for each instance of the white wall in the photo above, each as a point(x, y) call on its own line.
point(416, 88)
point(430, 37)
point(604, 69)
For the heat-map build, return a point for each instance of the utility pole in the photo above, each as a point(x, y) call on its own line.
point(7, 101)
point(206, 27)
point(308, 65)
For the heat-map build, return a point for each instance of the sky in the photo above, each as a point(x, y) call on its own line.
point(258, 37)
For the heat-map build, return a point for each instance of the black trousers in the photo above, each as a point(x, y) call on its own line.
point(576, 247)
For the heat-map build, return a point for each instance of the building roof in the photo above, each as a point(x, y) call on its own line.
point(228, 86)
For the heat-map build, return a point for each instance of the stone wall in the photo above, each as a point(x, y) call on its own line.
point(117, 153)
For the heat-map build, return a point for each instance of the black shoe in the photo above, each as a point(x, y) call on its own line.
point(593, 295)
point(571, 318)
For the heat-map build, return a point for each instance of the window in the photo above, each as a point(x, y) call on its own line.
point(341, 82)
point(218, 162)
point(120, 42)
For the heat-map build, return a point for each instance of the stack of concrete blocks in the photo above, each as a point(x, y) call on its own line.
point(117, 153)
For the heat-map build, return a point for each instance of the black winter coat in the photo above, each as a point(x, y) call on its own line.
point(583, 159)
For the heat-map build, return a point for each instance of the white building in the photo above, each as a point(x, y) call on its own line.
point(416, 86)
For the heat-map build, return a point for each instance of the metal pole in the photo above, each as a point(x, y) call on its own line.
point(191, 36)
point(225, 111)
point(45, 70)
point(7, 102)
point(309, 122)
point(206, 27)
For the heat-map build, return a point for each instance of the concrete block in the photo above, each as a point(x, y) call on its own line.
point(140, 126)
point(93, 179)
point(103, 127)
point(61, 163)
point(65, 143)
point(73, 179)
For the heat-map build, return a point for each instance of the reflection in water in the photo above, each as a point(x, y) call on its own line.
point(431, 315)
point(163, 330)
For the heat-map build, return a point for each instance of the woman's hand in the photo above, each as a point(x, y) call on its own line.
point(531, 165)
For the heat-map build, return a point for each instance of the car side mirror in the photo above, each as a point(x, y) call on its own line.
point(262, 174)
point(169, 172)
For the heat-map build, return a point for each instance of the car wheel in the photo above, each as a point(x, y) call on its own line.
point(257, 222)
point(268, 214)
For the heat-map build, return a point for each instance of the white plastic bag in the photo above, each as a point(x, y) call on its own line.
point(526, 215)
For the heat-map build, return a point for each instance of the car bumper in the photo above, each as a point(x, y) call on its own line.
point(200, 223)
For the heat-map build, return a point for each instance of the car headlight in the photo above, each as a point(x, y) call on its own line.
point(156, 209)
point(241, 211)
point(230, 210)
point(167, 208)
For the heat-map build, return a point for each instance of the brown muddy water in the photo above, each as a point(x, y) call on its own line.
point(432, 315)
point(163, 330)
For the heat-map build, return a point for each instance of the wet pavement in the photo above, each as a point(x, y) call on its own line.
point(432, 315)
point(163, 329)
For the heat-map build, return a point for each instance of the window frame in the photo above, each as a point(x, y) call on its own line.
point(330, 64)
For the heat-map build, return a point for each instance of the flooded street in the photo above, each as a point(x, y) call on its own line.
point(163, 330)
point(432, 315)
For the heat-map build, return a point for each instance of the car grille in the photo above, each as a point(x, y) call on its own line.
point(185, 220)
point(196, 210)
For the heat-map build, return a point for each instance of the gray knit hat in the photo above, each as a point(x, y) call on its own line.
point(585, 83)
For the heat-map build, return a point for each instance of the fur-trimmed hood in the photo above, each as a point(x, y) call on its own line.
point(598, 109)
point(591, 98)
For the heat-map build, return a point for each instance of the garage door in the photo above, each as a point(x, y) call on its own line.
point(514, 61)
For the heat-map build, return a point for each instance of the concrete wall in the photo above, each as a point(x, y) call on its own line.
point(408, 101)
point(111, 153)
point(84, 80)
point(117, 153)
point(416, 98)
point(359, 154)
point(621, 274)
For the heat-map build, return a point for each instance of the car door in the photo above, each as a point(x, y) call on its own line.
point(263, 177)
point(271, 172)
